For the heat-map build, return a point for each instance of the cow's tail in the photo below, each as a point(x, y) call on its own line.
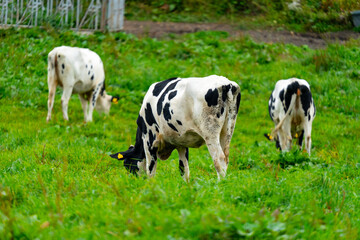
point(52, 68)
point(235, 97)
point(295, 96)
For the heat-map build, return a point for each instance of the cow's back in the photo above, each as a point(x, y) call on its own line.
point(77, 67)
point(184, 107)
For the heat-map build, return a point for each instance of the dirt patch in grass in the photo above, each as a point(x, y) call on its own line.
point(313, 40)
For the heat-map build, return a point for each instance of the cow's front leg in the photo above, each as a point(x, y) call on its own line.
point(184, 163)
point(151, 159)
point(93, 97)
point(218, 157)
point(65, 101)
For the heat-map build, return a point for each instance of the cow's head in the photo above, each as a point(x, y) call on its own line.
point(131, 157)
point(271, 138)
point(104, 102)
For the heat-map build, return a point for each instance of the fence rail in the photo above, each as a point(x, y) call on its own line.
point(75, 14)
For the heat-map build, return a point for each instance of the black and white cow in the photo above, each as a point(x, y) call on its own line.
point(182, 113)
point(78, 70)
point(292, 109)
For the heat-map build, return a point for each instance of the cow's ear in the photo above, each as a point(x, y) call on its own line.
point(268, 136)
point(115, 99)
point(117, 156)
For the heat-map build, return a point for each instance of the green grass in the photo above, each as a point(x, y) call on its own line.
point(309, 15)
point(57, 181)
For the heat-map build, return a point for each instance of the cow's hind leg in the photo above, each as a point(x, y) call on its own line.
point(307, 135)
point(65, 100)
point(226, 134)
point(52, 90)
point(84, 104)
point(218, 157)
point(184, 163)
point(52, 82)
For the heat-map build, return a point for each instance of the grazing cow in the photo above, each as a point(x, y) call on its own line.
point(292, 109)
point(78, 70)
point(182, 113)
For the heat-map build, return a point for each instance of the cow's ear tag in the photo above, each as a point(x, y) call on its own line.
point(296, 135)
point(115, 100)
point(270, 137)
point(120, 156)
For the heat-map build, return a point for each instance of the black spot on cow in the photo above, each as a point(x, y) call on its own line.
point(152, 138)
point(187, 154)
point(290, 91)
point(281, 96)
point(179, 122)
point(102, 88)
point(141, 124)
point(172, 95)
point(92, 77)
point(62, 72)
point(173, 127)
point(152, 164)
point(166, 112)
point(162, 98)
point(156, 129)
point(222, 110)
point(59, 56)
point(271, 104)
point(238, 99)
point(91, 67)
point(86, 66)
point(309, 117)
point(63, 66)
point(233, 89)
point(225, 90)
point(305, 98)
point(211, 97)
point(152, 150)
point(149, 116)
point(181, 167)
point(161, 85)
point(89, 72)
point(218, 115)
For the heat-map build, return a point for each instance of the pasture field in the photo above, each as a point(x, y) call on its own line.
point(57, 181)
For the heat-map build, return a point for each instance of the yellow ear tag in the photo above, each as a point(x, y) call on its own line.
point(120, 156)
point(270, 137)
point(115, 100)
point(296, 135)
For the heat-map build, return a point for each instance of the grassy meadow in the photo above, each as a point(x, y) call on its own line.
point(57, 181)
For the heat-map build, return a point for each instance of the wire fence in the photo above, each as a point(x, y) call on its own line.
point(74, 14)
